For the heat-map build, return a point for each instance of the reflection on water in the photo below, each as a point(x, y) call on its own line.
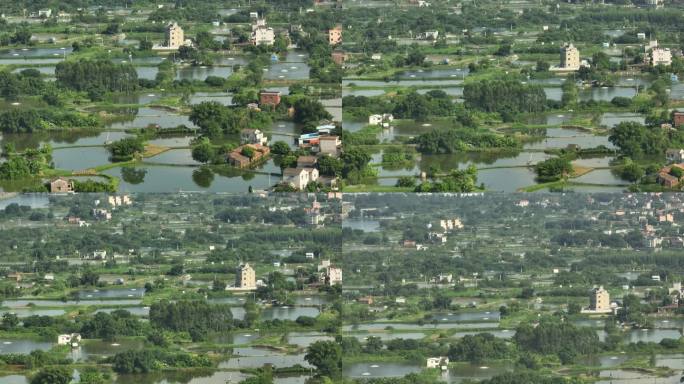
point(185, 377)
point(179, 178)
point(146, 116)
point(600, 176)
point(288, 313)
point(201, 72)
point(80, 158)
point(33, 200)
point(112, 293)
point(610, 119)
point(26, 312)
point(93, 349)
point(23, 346)
point(35, 52)
point(63, 138)
point(304, 339)
point(358, 370)
point(362, 224)
point(467, 316)
point(220, 97)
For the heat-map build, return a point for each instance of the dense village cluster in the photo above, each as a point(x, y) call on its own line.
point(518, 288)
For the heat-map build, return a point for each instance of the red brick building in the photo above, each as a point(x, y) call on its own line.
point(338, 57)
point(269, 98)
point(678, 119)
point(237, 159)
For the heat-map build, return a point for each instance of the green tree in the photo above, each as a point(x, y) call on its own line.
point(52, 375)
point(203, 151)
point(326, 356)
point(280, 148)
point(126, 148)
point(309, 111)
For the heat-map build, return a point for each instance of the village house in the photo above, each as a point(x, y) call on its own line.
point(299, 178)
point(245, 277)
point(253, 136)
point(437, 237)
point(674, 155)
point(14, 276)
point(569, 58)
point(335, 35)
point(368, 300)
point(262, 34)
point(117, 201)
point(678, 119)
point(102, 214)
point(238, 158)
point(599, 301)
point(451, 224)
point(175, 37)
point(338, 57)
point(441, 362)
point(69, 339)
point(61, 185)
point(409, 244)
point(333, 276)
point(329, 145)
point(271, 98)
point(659, 56)
point(444, 278)
point(307, 162)
point(666, 217)
point(381, 120)
point(654, 242)
point(666, 177)
point(45, 13)
point(428, 35)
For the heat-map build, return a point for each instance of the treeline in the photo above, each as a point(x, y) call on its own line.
point(551, 337)
point(409, 105)
point(632, 239)
point(126, 148)
point(553, 169)
point(34, 120)
point(478, 348)
point(636, 140)
point(29, 164)
point(149, 360)
point(26, 82)
point(261, 215)
point(99, 75)
point(663, 260)
point(108, 326)
point(504, 96)
point(215, 119)
point(456, 181)
point(329, 236)
point(191, 315)
point(456, 140)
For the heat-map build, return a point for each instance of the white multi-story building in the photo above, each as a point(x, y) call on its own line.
point(333, 276)
point(660, 56)
point(299, 177)
point(569, 58)
point(175, 37)
point(245, 277)
point(262, 34)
